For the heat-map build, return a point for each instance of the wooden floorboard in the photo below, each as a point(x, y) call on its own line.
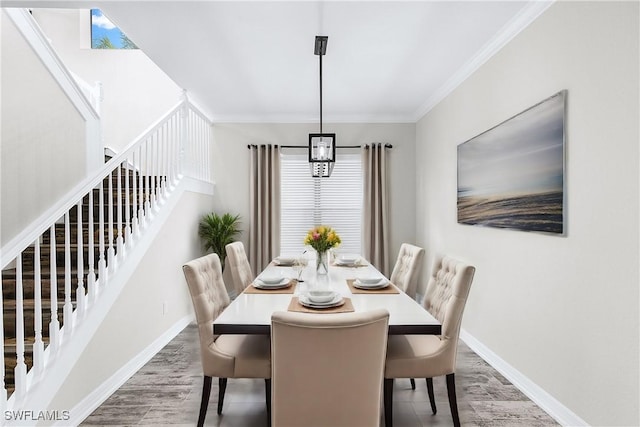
point(166, 392)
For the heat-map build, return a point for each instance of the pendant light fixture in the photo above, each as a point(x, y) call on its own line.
point(322, 146)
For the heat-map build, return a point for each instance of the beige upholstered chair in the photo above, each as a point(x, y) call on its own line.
point(327, 368)
point(240, 267)
point(223, 356)
point(428, 356)
point(407, 268)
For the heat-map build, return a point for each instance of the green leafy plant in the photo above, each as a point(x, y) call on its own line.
point(217, 231)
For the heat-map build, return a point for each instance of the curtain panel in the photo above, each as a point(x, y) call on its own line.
point(264, 205)
point(375, 233)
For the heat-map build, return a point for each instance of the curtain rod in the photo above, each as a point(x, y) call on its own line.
point(306, 146)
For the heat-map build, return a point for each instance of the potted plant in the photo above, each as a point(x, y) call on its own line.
point(217, 231)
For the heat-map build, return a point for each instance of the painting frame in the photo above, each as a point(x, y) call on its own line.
point(512, 176)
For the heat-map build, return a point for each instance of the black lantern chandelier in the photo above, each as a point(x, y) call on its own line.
point(322, 146)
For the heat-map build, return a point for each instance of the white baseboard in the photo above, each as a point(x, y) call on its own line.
point(92, 401)
point(563, 415)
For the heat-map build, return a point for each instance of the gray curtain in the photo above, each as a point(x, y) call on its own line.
point(376, 210)
point(264, 205)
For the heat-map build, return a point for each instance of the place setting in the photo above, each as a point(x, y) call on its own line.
point(321, 301)
point(371, 283)
point(273, 282)
point(349, 260)
point(284, 261)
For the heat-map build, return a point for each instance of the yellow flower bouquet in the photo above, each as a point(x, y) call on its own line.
point(322, 238)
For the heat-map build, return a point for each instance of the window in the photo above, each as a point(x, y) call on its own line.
point(306, 202)
point(105, 35)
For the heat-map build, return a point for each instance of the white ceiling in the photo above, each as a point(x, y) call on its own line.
point(386, 61)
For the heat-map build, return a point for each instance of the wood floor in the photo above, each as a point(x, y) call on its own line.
point(167, 390)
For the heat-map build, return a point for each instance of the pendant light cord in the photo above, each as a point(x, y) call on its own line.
point(320, 92)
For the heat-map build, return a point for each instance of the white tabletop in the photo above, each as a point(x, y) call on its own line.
point(251, 313)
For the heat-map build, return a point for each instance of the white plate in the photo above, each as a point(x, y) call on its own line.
point(335, 302)
point(383, 283)
point(257, 283)
point(271, 278)
point(321, 297)
point(370, 279)
point(346, 263)
point(285, 261)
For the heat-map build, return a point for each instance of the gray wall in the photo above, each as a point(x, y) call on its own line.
point(136, 91)
point(561, 310)
point(43, 151)
point(231, 165)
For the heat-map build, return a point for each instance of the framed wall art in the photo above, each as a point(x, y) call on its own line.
point(512, 175)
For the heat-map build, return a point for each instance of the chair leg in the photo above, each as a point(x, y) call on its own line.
point(204, 403)
point(388, 402)
point(267, 393)
point(222, 387)
point(413, 383)
point(432, 400)
point(453, 404)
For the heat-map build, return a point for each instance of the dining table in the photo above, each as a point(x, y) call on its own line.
point(250, 311)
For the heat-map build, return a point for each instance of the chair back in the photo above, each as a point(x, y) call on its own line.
point(208, 294)
point(407, 268)
point(240, 268)
point(327, 369)
point(447, 293)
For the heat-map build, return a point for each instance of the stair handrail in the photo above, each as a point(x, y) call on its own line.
point(121, 201)
point(16, 245)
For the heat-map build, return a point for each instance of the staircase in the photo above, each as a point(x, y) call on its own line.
point(29, 271)
point(79, 244)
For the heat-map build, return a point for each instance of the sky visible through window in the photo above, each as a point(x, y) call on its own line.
point(105, 35)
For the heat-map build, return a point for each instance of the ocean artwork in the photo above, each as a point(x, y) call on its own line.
point(512, 176)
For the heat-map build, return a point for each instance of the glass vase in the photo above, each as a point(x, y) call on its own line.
point(322, 263)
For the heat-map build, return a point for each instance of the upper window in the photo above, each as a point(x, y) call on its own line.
point(306, 202)
point(105, 35)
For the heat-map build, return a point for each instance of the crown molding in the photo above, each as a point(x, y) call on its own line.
point(521, 21)
point(303, 118)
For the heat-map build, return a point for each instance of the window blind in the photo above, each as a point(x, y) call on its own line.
point(306, 202)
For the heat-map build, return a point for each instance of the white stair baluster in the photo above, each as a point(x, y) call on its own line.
point(201, 150)
point(91, 275)
point(38, 344)
point(81, 297)
point(120, 240)
point(20, 371)
point(134, 195)
point(174, 149)
point(127, 204)
point(182, 141)
point(154, 171)
point(54, 324)
point(102, 262)
point(160, 161)
point(141, 187)
point(147, 171)
point(111, 258)
point(67, 311)
point(165, 156)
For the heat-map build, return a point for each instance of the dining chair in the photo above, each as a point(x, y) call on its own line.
point(327, 368)
point(223, 356)
point(407, 268)
point(428, 356)
point(241, 272)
